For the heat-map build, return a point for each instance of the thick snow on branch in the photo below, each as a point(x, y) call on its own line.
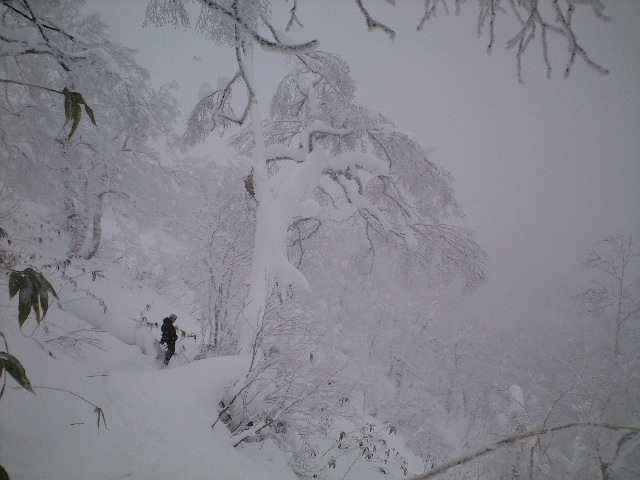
point(359, 160)
point(358, 163)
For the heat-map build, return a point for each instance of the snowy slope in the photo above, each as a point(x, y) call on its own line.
point(105, 408)
point(157, 420)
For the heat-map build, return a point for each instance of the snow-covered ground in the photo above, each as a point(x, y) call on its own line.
point(157, 420)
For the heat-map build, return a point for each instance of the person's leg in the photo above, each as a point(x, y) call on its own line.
point(171, 348)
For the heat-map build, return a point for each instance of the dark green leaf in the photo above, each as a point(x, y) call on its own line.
point(17, 281)
point(77, 113)
point(24, 303)
point(73, 110)
point(13, 366)
point(3, 474)
point(40, 280)
point(34, 291)
point(44, 302)
point(68, 104)
point(47, 285)
point(35, 304)
point(89, 111)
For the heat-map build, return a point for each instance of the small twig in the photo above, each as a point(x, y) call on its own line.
point(15, 82)
point(294, 18)
point(96, 409)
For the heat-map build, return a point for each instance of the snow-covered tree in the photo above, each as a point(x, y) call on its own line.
point(319, 167)
point(78, 116)
point(216, 247)
point(319, 158)
point(614, 294)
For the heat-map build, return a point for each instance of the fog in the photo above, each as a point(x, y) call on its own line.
point(314, 255)
point(543, 169)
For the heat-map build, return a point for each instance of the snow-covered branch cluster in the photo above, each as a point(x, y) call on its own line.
point(232, 24)
point(282, 397)
point(364, 166)
point(535, 19)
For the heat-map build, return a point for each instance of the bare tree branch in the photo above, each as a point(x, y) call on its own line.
point(373, 24)
point(532, 21)
point(294, 18)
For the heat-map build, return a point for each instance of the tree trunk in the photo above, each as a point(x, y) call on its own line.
point(97, 227)
point(253, 312)
point(74, 227)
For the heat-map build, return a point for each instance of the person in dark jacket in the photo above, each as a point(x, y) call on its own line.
point(169, 336)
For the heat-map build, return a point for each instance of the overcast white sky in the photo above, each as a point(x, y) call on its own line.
point(543, 170)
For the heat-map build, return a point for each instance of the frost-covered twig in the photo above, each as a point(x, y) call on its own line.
point(74, 342)
point(372, 23)
point(96, 409)
point(262, 41)
point(293, 18)
point(532, 23)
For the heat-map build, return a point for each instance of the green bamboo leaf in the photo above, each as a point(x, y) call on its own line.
point(16, 283)
point(35, 303)
point(68, 104)
point(13, 366)
point(34, 291)
point(73, 110)
point(24, 302)
point(44, 302)
point(77, 113)
point(89, 111)
point(3, 474)
point(41, 281)
point(38, 289)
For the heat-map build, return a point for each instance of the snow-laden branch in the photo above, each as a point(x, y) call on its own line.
point(372, 23)
point(368, 168)
point(260, 40)
point(533, 23)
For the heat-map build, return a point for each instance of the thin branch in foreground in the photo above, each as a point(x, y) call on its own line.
point(514, 438)
point(96, 409)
